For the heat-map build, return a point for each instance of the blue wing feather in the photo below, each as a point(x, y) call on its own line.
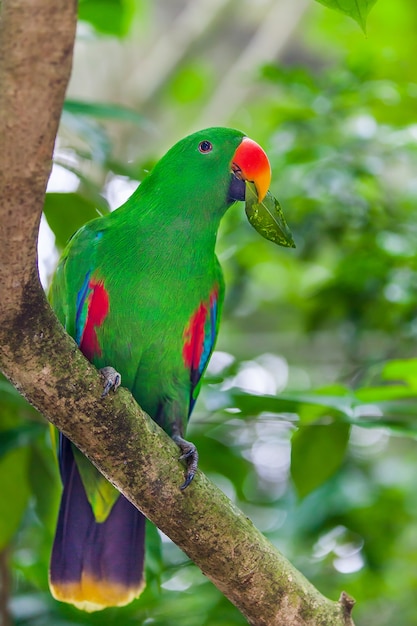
point(81, 309)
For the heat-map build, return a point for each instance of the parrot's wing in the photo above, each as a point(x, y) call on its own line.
point(92, 307)
point(80, 302)
point(73, 288)
point(204, 328)
point(82, 305)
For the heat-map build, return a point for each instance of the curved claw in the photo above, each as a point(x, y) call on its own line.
point(111, 380)
point(190, 456)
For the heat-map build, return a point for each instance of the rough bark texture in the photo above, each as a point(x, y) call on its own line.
point(36, 39)
point(5, 617)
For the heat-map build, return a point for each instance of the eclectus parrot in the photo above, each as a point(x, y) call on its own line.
point(141, 291)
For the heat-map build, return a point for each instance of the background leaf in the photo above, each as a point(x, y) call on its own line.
point(358, 10)
point(22, 435)
point(66, 213)
point(317, 453)
point(14, 492)
point(112, 17)
point(103, 110)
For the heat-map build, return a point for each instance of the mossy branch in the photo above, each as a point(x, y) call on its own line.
point(44, 363)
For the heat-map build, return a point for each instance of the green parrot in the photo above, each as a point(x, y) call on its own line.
point(141, 292)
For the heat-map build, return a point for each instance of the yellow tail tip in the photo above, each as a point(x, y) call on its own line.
point(91, 594)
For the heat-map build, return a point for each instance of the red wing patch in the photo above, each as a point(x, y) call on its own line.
point(97, 310)
point(194, 338)
point(199, 339)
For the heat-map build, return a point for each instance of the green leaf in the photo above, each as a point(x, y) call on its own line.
point(358, 10)
point(19, 436)
point(90, 190)
point(317, 453)
point(66, 213)
point(401, 369)
point(383, 393)
point(267, 217)
point(342, 405)
point(104, 110)
point(93, 134)
point(44, 482)
point(154, 562)
point(11, 399)
point(14, 492)
point(110, 17)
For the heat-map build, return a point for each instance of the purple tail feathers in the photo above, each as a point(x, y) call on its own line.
point(95, 565)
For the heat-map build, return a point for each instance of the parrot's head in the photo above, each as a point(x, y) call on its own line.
point(215, 163)
point(210, 170)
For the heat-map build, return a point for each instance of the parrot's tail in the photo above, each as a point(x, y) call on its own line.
point(95, 565)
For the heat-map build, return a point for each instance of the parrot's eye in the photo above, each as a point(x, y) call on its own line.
point(205, 146)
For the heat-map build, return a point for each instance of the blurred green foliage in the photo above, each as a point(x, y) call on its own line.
point(308, 418)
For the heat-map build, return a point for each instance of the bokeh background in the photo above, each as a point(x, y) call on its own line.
point(308, 418)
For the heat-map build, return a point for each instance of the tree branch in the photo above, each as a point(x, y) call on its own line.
point(44, 363)
point(5, 618)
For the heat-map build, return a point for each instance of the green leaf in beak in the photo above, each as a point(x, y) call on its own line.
point(267, 217)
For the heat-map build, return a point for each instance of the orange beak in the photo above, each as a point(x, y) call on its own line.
point(251, 163)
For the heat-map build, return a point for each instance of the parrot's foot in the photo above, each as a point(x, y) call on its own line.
point(111, 380)
point(190, 456)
